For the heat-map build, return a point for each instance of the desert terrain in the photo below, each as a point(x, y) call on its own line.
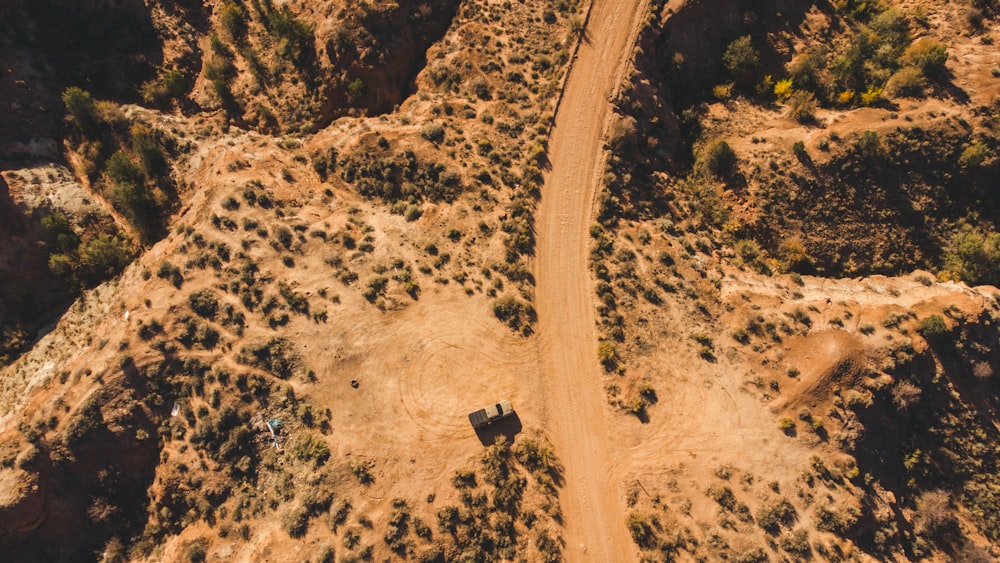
point(734, 266)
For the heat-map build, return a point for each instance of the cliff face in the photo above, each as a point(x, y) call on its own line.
point(65, 493)
point(383, 49)
point(106, 46)
point(27, 287)
point(45, 46)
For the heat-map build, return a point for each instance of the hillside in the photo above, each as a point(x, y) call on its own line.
point(733, 265)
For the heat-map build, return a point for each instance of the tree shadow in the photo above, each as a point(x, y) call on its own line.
point(508, 427)
point(642, 415)
point(736, 182)
point(943, 85)
point(76, 42)
point(543, 162)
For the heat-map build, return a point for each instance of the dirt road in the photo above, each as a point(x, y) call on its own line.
point(591, 503)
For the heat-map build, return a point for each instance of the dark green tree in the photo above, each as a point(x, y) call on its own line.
point(104, 256)
point(741, 59)
point(81, 108)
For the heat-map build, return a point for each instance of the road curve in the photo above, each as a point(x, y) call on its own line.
point(591, 504)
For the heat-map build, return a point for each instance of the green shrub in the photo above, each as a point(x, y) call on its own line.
point(642, 529)
point(433, 132)
point(326, 554)
point(12, 341)
point(869, 146)
point(81, 108)
point(174, 84)
point(137, 204)
point(799, 149)
point(974, 155)
point(934, 515)
point(84, 421)
point(548, 547)
point(933, 326)
point(907, 81)
point(204, 303)
point(351, 538)
point(804, 70)
point(295, 521)
point(752, 555)
point(802, 107)
point(171, 85)
point(796, 543)
point(412, 212)
point(800, 316)
point(62, 265)
point(376, 287)
point(104, 256)
point(356, 90)
point(339, 514)
point(464, 479)
point(284, 236)
point(481, 88)
point(535, 455)
point(974, 255)
point(148, 330)
point(402, 177)
point(123, 170)
point(517, 314)
point(740, 56)
point(748, 250)
point(723, 495)
point(233, 20)
point(741, 335)
point(295, 37)
point(274, 356)
point(195, 552)
point(719, 159)
point(787, 425)
point(60, 227)
point(928, 55)
point(308, 447)
point(147, 148)
point(219, 70)
point(168, 271)
point(772, 517)
point(363, 472)
point(297, 302)
point(607, 354)
point(707, 353)
point(828, 520)
point(324, 161)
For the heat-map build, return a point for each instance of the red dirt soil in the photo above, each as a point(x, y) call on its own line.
point(594, 518)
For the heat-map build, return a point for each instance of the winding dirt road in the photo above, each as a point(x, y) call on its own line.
point(592, 506)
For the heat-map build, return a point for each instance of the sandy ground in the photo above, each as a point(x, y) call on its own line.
point(423, 364)
point(594, 520)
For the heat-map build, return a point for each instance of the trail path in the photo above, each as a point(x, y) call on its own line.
point(591, 503)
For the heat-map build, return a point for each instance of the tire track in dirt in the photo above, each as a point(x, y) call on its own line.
point(456, 350)
point(591, 503)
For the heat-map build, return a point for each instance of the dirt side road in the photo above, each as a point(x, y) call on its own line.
point(591, 503)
